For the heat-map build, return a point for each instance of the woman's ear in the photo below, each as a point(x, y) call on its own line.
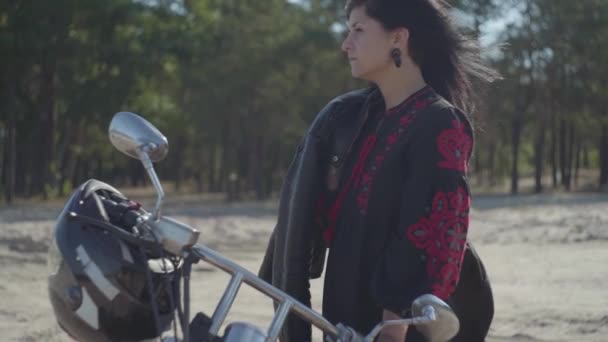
point(400, 37)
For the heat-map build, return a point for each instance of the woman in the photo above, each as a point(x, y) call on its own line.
point(386, 170)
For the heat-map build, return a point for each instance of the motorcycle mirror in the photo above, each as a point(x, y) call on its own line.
point(131, 134)
point(136, 137)
point(446, 323)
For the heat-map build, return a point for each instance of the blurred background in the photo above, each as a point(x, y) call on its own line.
point(234, 84)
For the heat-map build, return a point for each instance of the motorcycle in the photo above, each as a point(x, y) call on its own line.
point(136, 137)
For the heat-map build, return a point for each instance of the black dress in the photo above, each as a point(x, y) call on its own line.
point(396, 227)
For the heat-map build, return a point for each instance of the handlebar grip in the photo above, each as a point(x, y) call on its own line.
point(123, 214)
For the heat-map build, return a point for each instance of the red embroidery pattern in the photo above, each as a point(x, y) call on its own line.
point(365, 179)
point(454, 144)
point(420, 101)
point(368, 176)
point(442, 235)
point(355, 177)
point(417, 98)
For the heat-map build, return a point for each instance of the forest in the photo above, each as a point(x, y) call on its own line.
point(234, 85)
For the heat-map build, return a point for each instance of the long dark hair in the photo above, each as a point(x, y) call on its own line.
point(449, 60)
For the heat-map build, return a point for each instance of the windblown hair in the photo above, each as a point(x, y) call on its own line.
point(449, 60)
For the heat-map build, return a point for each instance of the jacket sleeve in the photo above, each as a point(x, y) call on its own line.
point(425, 253)
point(289, 256)
point(266, 268)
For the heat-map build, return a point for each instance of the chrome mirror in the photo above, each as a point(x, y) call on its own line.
point(444, 326)
point(430, 315)
point(131, 134)
point(136, 137)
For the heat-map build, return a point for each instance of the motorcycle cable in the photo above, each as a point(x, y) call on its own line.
point(185, 272)
point(151, 293)
point(168, 284)
point(187, 267)
point(117, 232)
point(140, 242)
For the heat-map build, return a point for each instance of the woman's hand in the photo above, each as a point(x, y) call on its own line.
point(392, 333)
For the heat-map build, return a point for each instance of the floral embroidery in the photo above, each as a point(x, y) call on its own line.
point(450, 274)
point(442, 235)
point(368, 176)
point(405, 120)
point(419, 101)
point(420, 104)
point(355, 177)
point(454, 146)
point(391, 139)
point(361, 178)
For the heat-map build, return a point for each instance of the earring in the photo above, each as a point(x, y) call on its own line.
point(396, 55)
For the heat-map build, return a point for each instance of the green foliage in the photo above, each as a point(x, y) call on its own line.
point(554, 77)
point(234, 84)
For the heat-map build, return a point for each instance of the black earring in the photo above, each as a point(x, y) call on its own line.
point(396, 55)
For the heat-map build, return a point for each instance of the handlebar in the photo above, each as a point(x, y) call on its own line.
point(240, 275)
point(137, 138)
point(179, 239)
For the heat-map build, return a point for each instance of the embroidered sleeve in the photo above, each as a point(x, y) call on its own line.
point(425, 253)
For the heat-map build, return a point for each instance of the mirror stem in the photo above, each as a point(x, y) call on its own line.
point(429, 312)
point(145, 160)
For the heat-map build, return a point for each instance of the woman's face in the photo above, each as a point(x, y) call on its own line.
point(368, 46)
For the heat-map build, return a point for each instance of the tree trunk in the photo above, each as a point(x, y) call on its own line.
point(78, 176)
point(177, 169)
point(224, 167)
point(46, 149)
point(27, 156)
point(11, 157)
point(517, 126)
point(242, 165)
point(199, 172)
point(76, 158)
point(253, 173)
point(255, 167)
point(65, 157)
point(85, 169)
point(562, 151)
point(553, 152)
point(99, 169)
point(223, 170)
point(477, 168)
point(261, 177)
point(603, 148)
point(539, 148)
point(577, 161)
point(273, 153)
point(585, 156)
point(492, 164)
point(569, 157)
point(3, 153)
point(211, 168)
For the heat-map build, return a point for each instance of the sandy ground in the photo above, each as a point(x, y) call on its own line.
point(546, 255)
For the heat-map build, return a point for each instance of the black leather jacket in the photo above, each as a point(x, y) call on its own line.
point(296, 250)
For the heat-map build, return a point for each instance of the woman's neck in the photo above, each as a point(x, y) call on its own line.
point(399, 84)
